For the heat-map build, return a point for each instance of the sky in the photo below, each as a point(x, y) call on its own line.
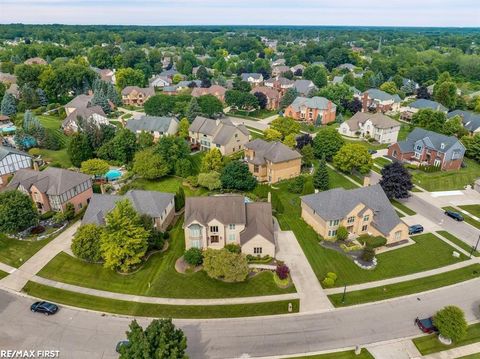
point(425, 13)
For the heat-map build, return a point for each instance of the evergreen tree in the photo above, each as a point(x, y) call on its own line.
point(179, 199)
point(320, 176)
point(42, 97)
point(193, 110)
point(79, 149)
point(101, 100)
point(8, 105)
point(112, 95)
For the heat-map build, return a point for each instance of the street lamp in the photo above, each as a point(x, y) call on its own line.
point(474, 248)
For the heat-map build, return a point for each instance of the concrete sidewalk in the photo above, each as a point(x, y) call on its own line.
point(404, 278)
point(6, 268)
point(312, 295)
point(17, 280)
point(456, 352)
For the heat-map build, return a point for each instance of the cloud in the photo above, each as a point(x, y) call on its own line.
point(235, 12)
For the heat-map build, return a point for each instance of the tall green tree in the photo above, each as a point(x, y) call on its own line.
point(226, 265)
point(446, 94)
point(193, 110)
point(8, 105)
point(17, 211)
point(173, 149)
point(353, 157)
point(150, 165)
point(321, 180)
point(290, 95)
point(236, 176)
point(159, 340)
point(86, 243)
point(210, 105)
point(396, 181)
point(327, 143)
point(307, 155)
point(183, 127)
point(129, 77)
point(212, 161)
point(94, 167)
point(79, 149)
point(430, 120)
point(286, 126)
point(120, 148)
point(124, 240)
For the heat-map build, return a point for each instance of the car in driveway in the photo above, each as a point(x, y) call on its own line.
point(426, 325)
point(121, 344)
point(455, 215)
point(415, 229)
point(46, 308)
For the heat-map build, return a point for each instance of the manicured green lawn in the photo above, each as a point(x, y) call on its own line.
point(473, 209)
point(448, 180)
point(337, 179)
point(3, 274)
point(52, 124)
point(255, 133)
point(405, 288)
point(402, 261)
point(430, 344)
point(158, 277)
point(403, 208)
point(458, 242)
point(368, 145)
point(349, 354)
point(14, 252)
point(466, 218)
point(471, 356)
point(254, 115)
point(168, 184)
point(157, 310)
point(382, 161)
point(404, 131)
point(59, 157)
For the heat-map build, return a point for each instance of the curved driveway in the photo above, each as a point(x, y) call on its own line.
point(82, 334)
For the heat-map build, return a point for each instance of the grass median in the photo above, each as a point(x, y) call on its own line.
point(157, 310)
point(405, 288)
point(430, 344)
point(3, 274)
point(458, 242)
point(348, 354)
point(403, 208)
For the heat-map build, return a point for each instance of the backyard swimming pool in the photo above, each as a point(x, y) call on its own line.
point(113, 175)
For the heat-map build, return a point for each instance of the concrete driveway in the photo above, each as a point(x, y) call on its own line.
point(312, 296)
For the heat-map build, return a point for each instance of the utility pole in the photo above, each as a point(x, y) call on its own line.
point(475, 248)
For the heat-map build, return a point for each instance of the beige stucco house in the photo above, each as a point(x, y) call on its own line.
point(371, 125)
point(272, 161)
point(222, 134)
point(213, 222)
point(365, 210)
point(137, 96)
point(155, 125)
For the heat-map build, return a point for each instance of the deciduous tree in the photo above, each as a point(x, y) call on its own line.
point(327, 142)
point(86, 243)
point(236, 176)
point(450, 322)
point(150, 165)
point(396, 181)
point(129, 77)
point(79, 149)
point(353, 157)
point(212, 161)
point(17, 211)
point(210, 180)
point(183, 128)
point(95, 167)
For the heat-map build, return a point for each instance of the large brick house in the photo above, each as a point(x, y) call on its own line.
point(134, 95)
point(213, 222)
point(215, 90)
point(429, 148)
point(375, 100)
point(272, 95)
point(367, 125)
point(315, 110)
point(159, 206)
point(365, 210)
point(272, 161)
point(281, 84)
point(223, 134)
point(52, 188)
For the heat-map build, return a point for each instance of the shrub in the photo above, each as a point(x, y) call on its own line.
point(193, 256)
point(451, 323)
point(328, 283)
point(332, 276)
point(223, 264)
point(296, 185)
point(368, 254)
point(37, 229)
point(156, 240)
point(47, 215)
point(342, 233)
point(348, 247)
point(69, 212)
point(372, 241)
point(192, 181)
point(234, 248)
point(282, 271)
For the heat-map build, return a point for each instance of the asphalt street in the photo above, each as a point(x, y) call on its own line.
point(83, 334)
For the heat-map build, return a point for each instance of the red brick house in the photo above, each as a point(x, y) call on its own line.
point(273, 96)
point(429, 148)
point(375, 100)
point(315, 110)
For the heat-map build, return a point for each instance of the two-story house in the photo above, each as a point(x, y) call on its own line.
point(429, 148)
point(470, 120)
point(367, 125)
point(375, 100)
point(407, 112)
point(304, 87)
point(91, 115)
point(279, 70)
point(315, 110)
point(78, 102)
point(255, 79)
point(272, 161)
point(272, 95)
point(137, 96)
point(281, 84)
point(157, 126)
point(365, 210)
point(52, 188)
point(206, 133)
point(159, 206)
point(215, 90)
point(12, 160)
point(213, 222)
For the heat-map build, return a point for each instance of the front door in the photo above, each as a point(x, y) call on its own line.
point(196, 243)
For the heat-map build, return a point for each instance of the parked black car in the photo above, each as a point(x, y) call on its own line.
point(44, 307)
point(416, 228)
point(455, 215)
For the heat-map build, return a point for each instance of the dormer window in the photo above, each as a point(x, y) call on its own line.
point(442, 146)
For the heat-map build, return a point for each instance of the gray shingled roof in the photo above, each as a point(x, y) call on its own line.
point(83, 113)
point(379, 120)
point(52, 181)
point(430, 139)
point(303, 87)
point(259, 221)
point(150, 123)
point(337, 203)
point(271, 151)
point(150, 203)
point(338, 79)
point(5, 151)
point(470, 120)
point(314, 102)
point(382, 95)
point(253, 75)
point(427, 104)
point(80, 101)
point(222, 130)
point(226, 209)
